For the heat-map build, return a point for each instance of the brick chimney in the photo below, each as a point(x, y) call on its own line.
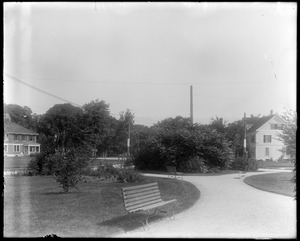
point(271, 112)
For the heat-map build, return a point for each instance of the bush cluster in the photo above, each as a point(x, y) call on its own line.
point(243, 164)
point(198, 149)
point(108, 172)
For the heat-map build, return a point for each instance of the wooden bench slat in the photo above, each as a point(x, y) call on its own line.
point(138, 196)
point(139, 186)
point(140, 190)
point(154, 205)
point(142, 205)
point(130, 195)
point(142, 201)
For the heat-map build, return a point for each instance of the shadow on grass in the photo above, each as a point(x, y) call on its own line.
point(130, 222)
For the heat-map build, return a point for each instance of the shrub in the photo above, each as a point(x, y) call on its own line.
point(68, 168)
point(33, 166)
point(129, 175)
point(108, 172)
point(128, 162)
point(180, 147)
point(41, 164)
point(195, 164)
point(149, 157)
point(252, 165)
point(243, 164)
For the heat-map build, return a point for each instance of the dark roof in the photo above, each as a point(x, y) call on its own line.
point(17, 129)
point(257, 122)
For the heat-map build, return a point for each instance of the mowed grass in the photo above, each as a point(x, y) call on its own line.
point(16, 162)
point(36, 207)
point(22, 161)
point(275, 164)
point(280, 183)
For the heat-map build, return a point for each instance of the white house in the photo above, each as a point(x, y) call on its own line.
point(19, 141)
point(262, 133)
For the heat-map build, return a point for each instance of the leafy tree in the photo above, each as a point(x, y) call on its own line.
point(178, 122)
point(68, 144)
point(235, 134)
point(20, 115)
point(121, 131)
point(189, 148)
point(69, 167)
point(288, 136)
point(98, 120)
point(218, 124)
point(139, 135)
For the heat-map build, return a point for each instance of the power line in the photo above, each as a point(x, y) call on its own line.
point(40, 90)
point(45, 92)
point(154, 83)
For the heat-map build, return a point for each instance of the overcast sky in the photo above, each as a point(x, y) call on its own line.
point(239, 57)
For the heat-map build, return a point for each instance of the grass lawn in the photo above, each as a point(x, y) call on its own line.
point(16, 162)
point(36, 207)
point(275, 164)
point(273, 182)
point(21, 162)
point(223, 172)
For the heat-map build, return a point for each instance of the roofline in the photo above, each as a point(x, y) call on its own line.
point(275, 115)
point(25, 133)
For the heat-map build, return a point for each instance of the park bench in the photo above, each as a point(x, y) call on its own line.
point(145, 198)
point(172, 172)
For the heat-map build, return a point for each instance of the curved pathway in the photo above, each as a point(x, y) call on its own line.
point(228, 208)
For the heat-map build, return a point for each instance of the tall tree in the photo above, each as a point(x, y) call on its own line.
point(178, 122)
point(288, 137)
point(219, 124)
point(98, 121)
point(20, 115)
point(68, 146)
point(125, 122)
point(235, 134)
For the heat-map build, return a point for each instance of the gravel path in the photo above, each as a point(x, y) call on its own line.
point(228, 208)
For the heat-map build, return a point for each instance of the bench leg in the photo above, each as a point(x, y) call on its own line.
point(148, 216)
point(172, 217)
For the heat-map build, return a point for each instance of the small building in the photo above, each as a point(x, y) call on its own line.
point(19, 141)
point(263, 141)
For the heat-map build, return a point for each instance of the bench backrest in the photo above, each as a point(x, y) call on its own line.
point(140, 196)
point(171, 169)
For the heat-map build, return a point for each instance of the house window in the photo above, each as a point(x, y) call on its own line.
point(5, 137)
point(267, 138)
point(5, 148)
point(23, 138)
point(30, 138)
point(267, 151)
point(37, 149)
point(15, 137)
point(32, 149)
point(16, 148)
point(276, 126)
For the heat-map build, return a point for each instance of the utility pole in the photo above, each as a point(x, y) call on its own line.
point(128, 140)
point(245, 142)
point(191, 103)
